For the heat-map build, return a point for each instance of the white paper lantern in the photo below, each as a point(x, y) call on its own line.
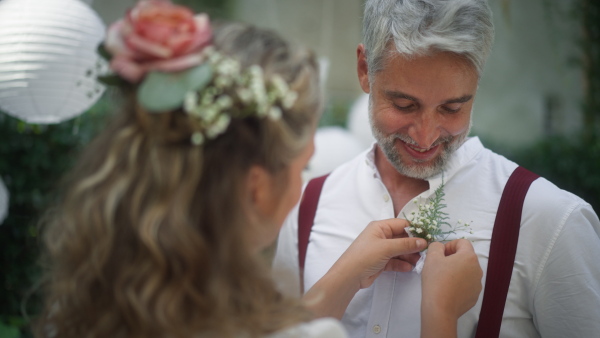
point(48, 59)
point(358, 120)
point(333, 146)
point(3, 201)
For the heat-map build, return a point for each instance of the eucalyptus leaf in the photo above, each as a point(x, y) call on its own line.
point(198, 77)
point(161, 91)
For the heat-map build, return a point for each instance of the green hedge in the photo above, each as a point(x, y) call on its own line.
point(32, 160)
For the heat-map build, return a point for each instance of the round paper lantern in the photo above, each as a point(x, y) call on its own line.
point(48, 59)
point(3, 201)
point(333, 146)
point(358, 120)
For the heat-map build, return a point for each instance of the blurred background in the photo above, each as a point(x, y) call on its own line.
point(538, 102)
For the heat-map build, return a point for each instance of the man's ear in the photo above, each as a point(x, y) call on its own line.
point(362, 68)
point(259, 189)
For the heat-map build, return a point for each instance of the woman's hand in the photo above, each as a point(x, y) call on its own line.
point(382, 246)
point(451, 283)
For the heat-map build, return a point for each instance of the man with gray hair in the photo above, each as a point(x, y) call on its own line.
point(421, 62)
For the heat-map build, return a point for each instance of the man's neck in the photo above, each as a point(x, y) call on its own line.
point(401, 188)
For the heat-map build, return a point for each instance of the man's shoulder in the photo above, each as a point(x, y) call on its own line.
point(492, 170)
point(546, 193)
point(547, 197)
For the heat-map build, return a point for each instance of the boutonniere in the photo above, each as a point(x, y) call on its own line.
point(430, 221)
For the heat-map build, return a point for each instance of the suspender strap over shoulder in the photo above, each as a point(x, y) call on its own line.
point(306, 216)
point(503, 248)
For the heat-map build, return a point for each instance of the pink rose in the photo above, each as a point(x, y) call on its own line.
point(157, 35)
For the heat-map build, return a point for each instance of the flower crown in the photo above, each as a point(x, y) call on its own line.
point(166, 50)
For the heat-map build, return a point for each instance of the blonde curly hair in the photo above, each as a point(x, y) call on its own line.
point(147, 239)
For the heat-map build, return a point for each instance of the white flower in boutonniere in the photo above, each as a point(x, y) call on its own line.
point(430, 222)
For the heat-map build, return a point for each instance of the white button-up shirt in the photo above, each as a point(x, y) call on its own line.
point(555, 285)
point(319, 328)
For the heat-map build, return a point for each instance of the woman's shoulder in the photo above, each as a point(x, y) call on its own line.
point(319, 328)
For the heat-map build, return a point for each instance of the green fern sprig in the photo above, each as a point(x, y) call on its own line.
point(430, 222)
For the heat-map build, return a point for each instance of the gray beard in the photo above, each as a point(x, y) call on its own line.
point(416, 168)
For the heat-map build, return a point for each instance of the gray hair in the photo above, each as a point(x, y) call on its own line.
point(418, 27)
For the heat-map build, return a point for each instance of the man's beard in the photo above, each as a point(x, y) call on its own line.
point(415, 168)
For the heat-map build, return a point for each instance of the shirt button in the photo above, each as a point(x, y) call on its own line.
point(376, 329)
point(386, 198)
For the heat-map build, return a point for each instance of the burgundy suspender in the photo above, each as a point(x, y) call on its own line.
point(503, 248)
point(306, 216)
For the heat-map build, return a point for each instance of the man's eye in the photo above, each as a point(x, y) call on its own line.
point(407, 107)
point(451, 109)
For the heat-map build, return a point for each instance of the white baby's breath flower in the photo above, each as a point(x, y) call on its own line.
point(224, 101)
point(262, 109)
point(289, 99)
point(210, 113)
point(214, 57)
point(245, 95)
point(191, 101)
point(430, 221)
point(197, 138)
point(257, 84)
point(259, 95)
point(234, 92)
point(275, 113)
point(228, 67)
point(223, 82)
point(218, 127)
point(279, 84)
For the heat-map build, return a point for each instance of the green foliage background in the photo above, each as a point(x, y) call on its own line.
point(32, 160)
point(572, 162)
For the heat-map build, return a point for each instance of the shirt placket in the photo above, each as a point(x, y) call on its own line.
point(381, 305)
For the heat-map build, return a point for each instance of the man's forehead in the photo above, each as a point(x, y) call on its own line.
point(393, 94)
point(393, 57)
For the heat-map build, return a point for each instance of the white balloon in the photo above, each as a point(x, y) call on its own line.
point(3, 201)
point(358, 120)
point(48, 59)
point(333, 147)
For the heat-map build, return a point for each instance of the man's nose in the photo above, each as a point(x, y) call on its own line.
point(426, 129)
